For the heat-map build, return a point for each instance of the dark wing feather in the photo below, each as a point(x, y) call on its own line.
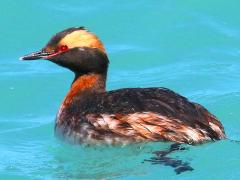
point(163, 105)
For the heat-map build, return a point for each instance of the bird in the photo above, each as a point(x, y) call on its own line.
point(89, 114)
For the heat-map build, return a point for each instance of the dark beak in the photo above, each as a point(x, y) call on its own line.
point(35, 56)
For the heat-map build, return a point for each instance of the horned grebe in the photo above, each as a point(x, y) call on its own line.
point(91, 115)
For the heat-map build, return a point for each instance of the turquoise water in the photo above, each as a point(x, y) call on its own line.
point(191, 47)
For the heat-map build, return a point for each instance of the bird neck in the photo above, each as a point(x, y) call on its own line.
point(91, 83)
point(83, 85)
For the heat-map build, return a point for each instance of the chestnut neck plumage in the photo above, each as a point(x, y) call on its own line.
point(91, 83)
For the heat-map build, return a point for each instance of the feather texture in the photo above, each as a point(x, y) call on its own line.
point(139, 114)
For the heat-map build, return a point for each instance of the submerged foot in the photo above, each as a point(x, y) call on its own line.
point(178, 165)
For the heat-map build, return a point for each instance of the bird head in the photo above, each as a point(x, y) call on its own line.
point(76, 49)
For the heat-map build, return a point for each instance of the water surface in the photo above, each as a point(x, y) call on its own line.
point(191, 47)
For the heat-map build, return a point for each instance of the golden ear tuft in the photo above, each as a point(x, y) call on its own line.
point(82, 38)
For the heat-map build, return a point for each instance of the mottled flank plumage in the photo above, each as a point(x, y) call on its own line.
point(90, 115)
point(134, 115)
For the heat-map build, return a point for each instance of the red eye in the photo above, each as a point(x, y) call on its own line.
point(64, 48)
